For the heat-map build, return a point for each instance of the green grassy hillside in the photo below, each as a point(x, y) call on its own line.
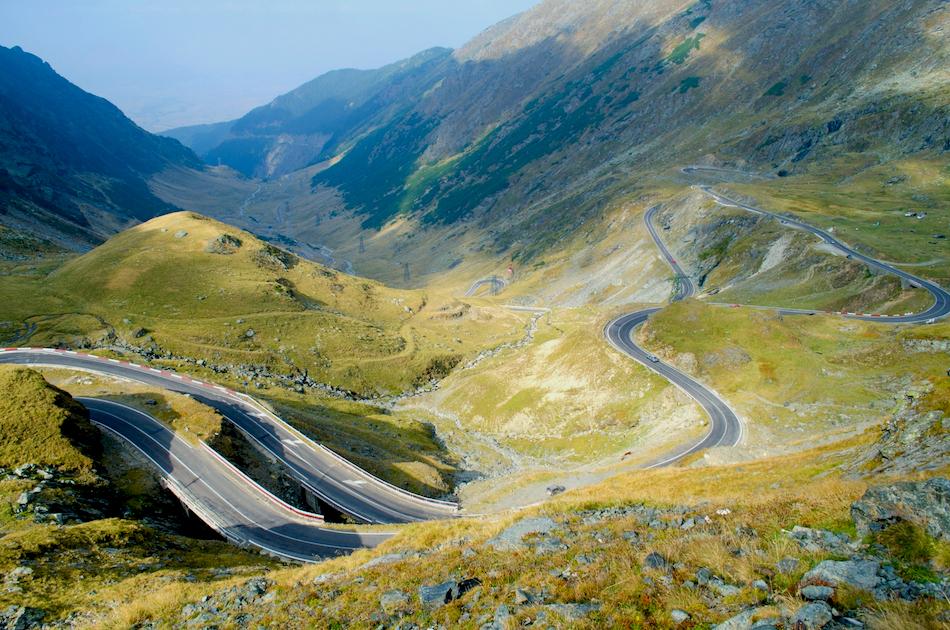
point(183, 286)
point(43, 425)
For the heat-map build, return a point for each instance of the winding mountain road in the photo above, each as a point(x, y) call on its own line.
point(725, 428)
point(247, 514)
point(222, 496)
point(331, 478)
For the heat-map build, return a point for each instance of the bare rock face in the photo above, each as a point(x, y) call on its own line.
point(912, 441)
point(926, 504)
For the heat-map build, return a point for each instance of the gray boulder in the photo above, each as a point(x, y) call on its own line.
point(679, 616)
point(926, 504)
point(742, 621)
point(512, 538)
point(812, 616)
point(438, 595)
point(787, 566)
point(860, 574)
point(573, 612)
point(20, 618)
point(393, 601)
point(655, 561)
point(817, 593)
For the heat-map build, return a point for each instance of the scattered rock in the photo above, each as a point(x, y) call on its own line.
point(513, 537)
point(761, 585)
point(20, 617)
point(554, 490)
point(500, 620)
point(436, 596)
point(225, 244)
point(723, 589)
point(523, 597)
point(926, 504)
point(181, 234)
point(812, 616)
point(679, 616)
point(742, 621)
point(816, 540)
point(860, 574)
point(817, 593)
point(573, 612)
point(787, 566)
point(655, 561)
point(393, 601)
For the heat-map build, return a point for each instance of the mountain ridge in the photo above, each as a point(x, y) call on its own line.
point(73, 168)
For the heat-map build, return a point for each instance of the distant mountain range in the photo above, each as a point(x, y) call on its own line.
point(538, 122)
point(520, 137)
point(313, 122)
point(73, 168)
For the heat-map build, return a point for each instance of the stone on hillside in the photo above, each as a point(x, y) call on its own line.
point(512, 538)
point(859, 574)
point(786, 566)
point(255, 588)
point(742, 621)
point(761, 585)
point(679, 616)
point(181, 234)
point(817, 593)
point(812, 616)
point(816, 540)
point(225, 244)
point(523, 597)
point(926, 504)
point(501, 619)
point(655, 561)
point(438, 595)
point(393, 601)
point(20, 617)
point(573, 612)
point(722, 588)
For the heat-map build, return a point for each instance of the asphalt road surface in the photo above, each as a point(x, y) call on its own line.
point(336, 481)
point(941, 305)
point(222, 496)
point(725, 428)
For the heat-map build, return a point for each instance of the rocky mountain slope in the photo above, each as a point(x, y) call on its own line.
point(73, 168)
point(553, 119)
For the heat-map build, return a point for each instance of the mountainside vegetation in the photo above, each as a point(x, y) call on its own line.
point(184, 287)
point(541, 127)
point(415, 266)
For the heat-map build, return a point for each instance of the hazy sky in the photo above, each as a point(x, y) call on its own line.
point(168, 63)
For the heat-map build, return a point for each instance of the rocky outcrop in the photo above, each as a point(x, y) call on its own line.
point(926, 504)
point(911, 441)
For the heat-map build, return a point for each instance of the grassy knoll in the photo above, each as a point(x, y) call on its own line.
point(796, 378)
point(193, 287)
point(42, 425)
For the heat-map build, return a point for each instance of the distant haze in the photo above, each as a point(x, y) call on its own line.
point(177, 62)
